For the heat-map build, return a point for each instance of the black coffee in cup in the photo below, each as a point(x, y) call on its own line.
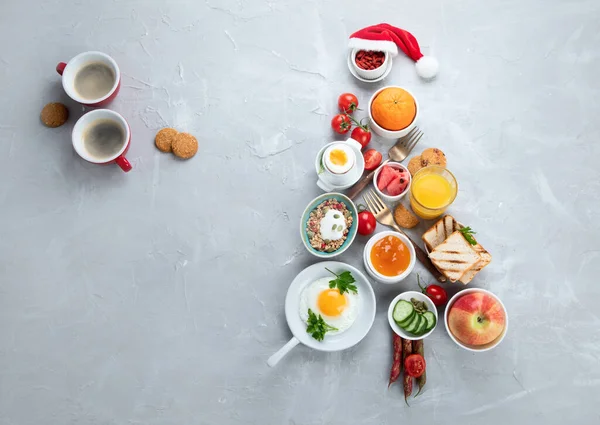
point(103, 139)
point(94, 80)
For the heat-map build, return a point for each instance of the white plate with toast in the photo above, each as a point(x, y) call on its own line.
point(451, 253)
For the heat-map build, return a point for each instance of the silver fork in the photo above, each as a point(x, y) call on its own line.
point(397, 153)
point(384, 216)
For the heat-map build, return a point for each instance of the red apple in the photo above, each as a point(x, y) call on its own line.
point(476, 319)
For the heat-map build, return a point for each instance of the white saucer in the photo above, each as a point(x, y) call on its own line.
point(358, 77)
point(354, 174)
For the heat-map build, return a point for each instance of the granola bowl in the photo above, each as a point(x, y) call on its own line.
point(328, 225)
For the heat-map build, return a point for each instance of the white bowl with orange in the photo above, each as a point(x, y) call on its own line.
point(393, 112)
point(476, 319)
point(389, 257)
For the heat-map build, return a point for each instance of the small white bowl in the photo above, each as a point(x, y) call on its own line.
point(374, 273)
point(389, 198)
point(475, 348)
point(370, 74)
point(407, 296)
point(389, 134)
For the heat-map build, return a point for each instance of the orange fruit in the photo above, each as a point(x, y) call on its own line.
point(393, 109)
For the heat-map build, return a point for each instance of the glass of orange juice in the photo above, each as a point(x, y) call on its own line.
point(433, 189)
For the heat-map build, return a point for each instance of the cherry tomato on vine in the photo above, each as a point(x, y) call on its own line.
point(348, 103)
point(341, 123)
point(362, 135)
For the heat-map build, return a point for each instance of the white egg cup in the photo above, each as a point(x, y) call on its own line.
point(332, 182)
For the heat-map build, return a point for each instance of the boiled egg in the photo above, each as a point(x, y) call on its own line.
point(339, 158)
point(332, 226)
point(338, 310)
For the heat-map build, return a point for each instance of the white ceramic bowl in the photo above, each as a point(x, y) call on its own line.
point(475, 348)
point(370, 74)
point(386, 197)
point(407, 296)
point(374, 273)
point(389, 134)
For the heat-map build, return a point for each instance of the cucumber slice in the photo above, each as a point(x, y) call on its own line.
point(414, 324)
point(422, 326)
point(430, 317)
point(409, 319)
point(402, 310)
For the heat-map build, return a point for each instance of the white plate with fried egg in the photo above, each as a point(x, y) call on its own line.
point(350, 314)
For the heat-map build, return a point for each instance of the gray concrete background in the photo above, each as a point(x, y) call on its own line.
point(156, 297)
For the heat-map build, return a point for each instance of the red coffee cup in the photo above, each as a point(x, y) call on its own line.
point(69, 71)
point(86, 123)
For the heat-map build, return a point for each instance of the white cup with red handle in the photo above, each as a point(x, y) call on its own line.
point(69, 72)
point(83, 140)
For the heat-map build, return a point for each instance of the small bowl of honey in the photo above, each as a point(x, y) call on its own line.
point(389, 257)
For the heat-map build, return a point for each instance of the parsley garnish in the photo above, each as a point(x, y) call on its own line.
point(344, 282)
point(317, 326)
point(468, 234)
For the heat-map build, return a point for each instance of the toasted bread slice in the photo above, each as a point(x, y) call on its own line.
point(438, 233)
point(454, 256)
point(486, 258)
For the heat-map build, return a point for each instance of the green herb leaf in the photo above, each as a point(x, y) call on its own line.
point(468, 234)
point(344, 282)
point(317, 327)
point(321, 166)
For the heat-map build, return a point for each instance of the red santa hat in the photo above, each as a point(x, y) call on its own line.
point(386, 38)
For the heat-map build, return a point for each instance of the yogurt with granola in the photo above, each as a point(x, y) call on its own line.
point(328, 225)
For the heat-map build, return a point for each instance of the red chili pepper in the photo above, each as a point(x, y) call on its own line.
point(397, 357)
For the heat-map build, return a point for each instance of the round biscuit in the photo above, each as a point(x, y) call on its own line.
point(54, 115)
point(404, 217)
point(185, 145)
point(164, 139)
point(414, 165)
point(433, 156)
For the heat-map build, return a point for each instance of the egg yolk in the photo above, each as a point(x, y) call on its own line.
point(390, 256)
point(338, 157)
point(331, 302)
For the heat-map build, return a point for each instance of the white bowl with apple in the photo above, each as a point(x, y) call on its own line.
point(476, 319)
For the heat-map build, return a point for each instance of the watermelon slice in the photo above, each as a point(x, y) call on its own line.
point(386, 175)
point(397, 186)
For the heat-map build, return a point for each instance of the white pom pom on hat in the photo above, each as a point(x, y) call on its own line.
point(387, 38)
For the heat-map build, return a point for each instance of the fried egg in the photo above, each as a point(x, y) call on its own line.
point(338, 310)
point(332, 226)
point(339, 158)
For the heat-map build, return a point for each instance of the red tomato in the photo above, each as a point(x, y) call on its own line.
point(366, 223)
point(348, 103)
point(436, 293)
point(362, 136)
point(341, 123)
point(372, 159)
point(414, 365)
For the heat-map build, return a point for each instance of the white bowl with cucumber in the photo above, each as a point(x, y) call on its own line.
point(412, 315)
